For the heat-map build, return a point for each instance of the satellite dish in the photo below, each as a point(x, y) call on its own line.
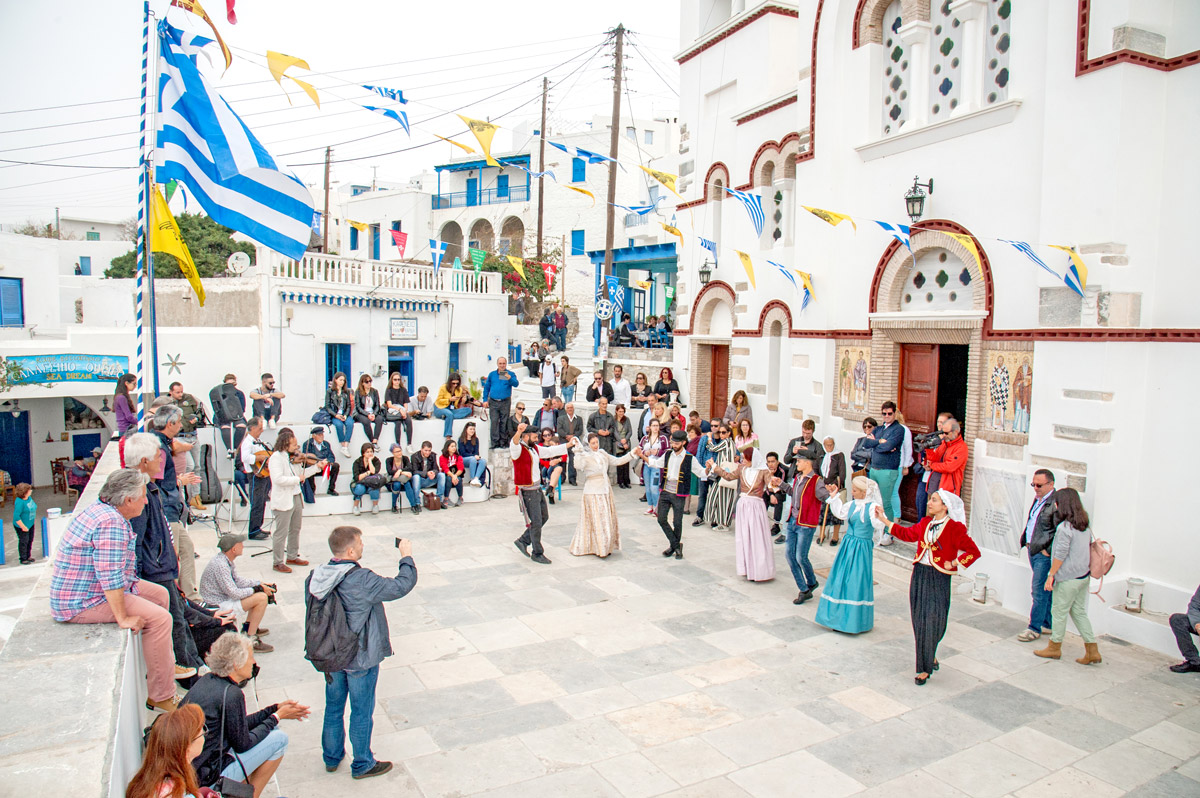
point(238, 262)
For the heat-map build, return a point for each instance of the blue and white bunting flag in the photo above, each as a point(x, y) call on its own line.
point(754, 207)
point(579, 152)
point(900, 232)
point(533, 174)
point(711, 246)
point(640, 210)
point(398, 116)
point(1027, 251)
point(784, 271)
point(391, 94)
point(204, 145)
point(437, 251)
point(616, 291)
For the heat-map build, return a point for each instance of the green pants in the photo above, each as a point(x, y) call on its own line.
point(1071, 597)
point(887, 479)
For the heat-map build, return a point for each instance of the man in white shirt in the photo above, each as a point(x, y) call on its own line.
point(525, 452)
point(622, 390)
point(679, 466)
point(260, 486)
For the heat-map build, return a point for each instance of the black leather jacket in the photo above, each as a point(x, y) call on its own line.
point(1043, 530)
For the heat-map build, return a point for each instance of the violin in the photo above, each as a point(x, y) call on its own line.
point(305, 459)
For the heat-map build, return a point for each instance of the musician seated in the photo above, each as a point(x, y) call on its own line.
point(316, 449)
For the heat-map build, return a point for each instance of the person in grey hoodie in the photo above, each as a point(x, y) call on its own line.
point(362, 592)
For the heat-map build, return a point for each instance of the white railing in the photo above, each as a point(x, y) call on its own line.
point(369, 274)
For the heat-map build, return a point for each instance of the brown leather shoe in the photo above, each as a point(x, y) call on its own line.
point(281, 568)
point(297, 561)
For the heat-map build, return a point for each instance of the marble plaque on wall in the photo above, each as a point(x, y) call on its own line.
point(997, 509)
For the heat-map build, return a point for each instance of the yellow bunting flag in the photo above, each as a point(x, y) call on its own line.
point(359, 226)
point(748, 266)
point(666, 178)
point(165, 237)
point(194, 7)
point(969, 244)
point(806, 278)
point(673, 231)
point(643, 284)
point(483, 132)
point(518, 264)
point(458, 144)
point(584, 192)
point(279, 63)
point(830, 216)
point(1078, 271)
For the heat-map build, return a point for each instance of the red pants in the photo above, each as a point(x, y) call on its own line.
point(151, 605)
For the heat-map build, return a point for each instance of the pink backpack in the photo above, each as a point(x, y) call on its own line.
point(1101, 562)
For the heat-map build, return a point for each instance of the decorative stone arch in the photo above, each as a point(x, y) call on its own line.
point(868, 19)
point(766, 174)
point(452, 234)
point(513, 228)
point(775, 312)
point(789, 166)
point(897, 262)
point(716, 179)
point(707, 387)
point(710, 297)
point(483, 232)
point(778, 153)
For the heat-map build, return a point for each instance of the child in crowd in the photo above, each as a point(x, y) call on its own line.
point(24, 517)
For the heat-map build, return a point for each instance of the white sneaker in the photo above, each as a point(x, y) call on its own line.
point(357, 509)
point(886, 540)
point(346, 449)
point(476, 483)
point(375, 509)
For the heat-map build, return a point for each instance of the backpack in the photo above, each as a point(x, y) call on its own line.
point(1101, 562)
point(329, 642)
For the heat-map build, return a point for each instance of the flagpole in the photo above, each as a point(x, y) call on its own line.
point(141, 222)
point(148, 170)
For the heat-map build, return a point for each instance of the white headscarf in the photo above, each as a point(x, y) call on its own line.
point(758, 462)
point(871, 488)
point(954, 506)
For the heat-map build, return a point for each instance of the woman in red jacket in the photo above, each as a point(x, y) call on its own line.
point(942, 545)
point(451, 464)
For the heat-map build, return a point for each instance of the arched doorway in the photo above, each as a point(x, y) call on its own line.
point(712, 335)
point(452, 235)
point(512, 236)
point(483, 236)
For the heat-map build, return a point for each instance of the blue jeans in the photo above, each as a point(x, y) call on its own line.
point(360, 490)
point(344, 429)
point(1039, 614)
point(272, 747)
point(410, 490)
point(560, 338)
point(568, 392)
point(653, 485)
point(922, 497)
point(475, 467)
point(425, 482)
point(450, 415)
point(359, 687)
point(799, 541)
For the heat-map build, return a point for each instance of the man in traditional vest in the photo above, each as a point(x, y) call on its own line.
point(678, 467)
point(807, 493)
point(525, 452)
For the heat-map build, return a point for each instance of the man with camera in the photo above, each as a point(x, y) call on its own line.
point(944, 459)
point(221, 586)
point(925, 444)
point(361, 592)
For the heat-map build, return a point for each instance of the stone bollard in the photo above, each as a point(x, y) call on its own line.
point(502, 473)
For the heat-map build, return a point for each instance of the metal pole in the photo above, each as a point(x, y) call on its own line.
point(614, 142)
point(325, 238)
point(542, 165)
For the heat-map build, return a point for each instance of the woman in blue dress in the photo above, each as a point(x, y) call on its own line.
point(848, 601)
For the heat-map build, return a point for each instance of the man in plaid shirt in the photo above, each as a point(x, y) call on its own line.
point(94, 580)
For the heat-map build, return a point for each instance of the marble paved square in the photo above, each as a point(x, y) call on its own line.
point(637, 676)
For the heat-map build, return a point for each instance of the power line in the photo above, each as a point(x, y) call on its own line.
point(65, 165)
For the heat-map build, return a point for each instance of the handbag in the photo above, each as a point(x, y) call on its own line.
point(322, 417)
point(373, 480)
point(431, 501)
point(728, 483)
point(393, 414)
point(225, 786)
point(1100, 562)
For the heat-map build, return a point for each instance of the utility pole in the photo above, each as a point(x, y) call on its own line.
point(614, 142)
point(542, 165)
point(57, 226)
point(325, 237)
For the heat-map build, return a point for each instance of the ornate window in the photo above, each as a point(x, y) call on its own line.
point(945, 57)
point(896, 74)
point(999, 42)
point(938, 281)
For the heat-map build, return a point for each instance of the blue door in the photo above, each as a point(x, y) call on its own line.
point(82, 445)
point(337, 358)
point(502, 186)
point(85, 268)
point(472, 191)
point(14, 447)
point(454, 357)
point(577, 242)
point(375, 241)
point(400, 358)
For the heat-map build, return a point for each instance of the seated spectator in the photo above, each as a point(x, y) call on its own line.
point(421, 407)
point(627, 332)
point(518, 417)
point(206, 625)
point(93, 580)
point(400, 478)
point(267, 401)
point(667, 389)
point(220, 586)
point(366, 478)
point(176, 738)
point(78, 474)
point(452, 402)
point(368, 410)
point(547, 416)
point(552, 468)
point(24, 520)
point(1184, 625)
point(339, 404)
point(395, 406)
point(468, 449)
point(452, 467)
point(319, 448)
point(533, 360)
point(426, 472)
point(238, 746)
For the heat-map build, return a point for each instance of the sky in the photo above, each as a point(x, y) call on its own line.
point(481, 59)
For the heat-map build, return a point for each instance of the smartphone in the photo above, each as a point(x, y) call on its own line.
point(398, 542)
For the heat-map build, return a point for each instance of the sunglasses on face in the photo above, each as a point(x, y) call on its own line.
point(1037, 484)
point(888, 413)
point(367, 382)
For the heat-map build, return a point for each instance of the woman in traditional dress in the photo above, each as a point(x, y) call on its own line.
point(942, 545)
point(723, 494)
point(848, 601)
point(597, 531)
point(752, 533)
point(653, 444)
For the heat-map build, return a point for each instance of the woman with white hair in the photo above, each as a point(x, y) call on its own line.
point(238, 746)
point(848, 601)
point(942, 545)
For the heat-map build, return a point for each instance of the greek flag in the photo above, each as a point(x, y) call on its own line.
point(785, 273)
point(391, 94)
point(711, 246)
point(204, 145)
point(579, 152)
point(753, 204)
point(616, 291)
point(398, 116)
point(898, 232)
point(437, 250)
point(1027, 251)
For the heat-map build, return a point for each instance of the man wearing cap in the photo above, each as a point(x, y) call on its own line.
point(317, 445)
point(525, 452)
point(678, 467)
point(220, 585)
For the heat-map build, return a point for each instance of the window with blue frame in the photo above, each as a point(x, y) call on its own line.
point(12, 304)
point(502, 185)
point(577, 242)
point(337, 358)
point(353, 238)
point(93, 236)
point(578, 170)
point(375, 241)
point(85, 264)
point(454, 357)
point(396, 226)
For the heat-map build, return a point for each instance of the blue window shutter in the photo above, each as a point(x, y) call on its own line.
point(85, 264)
point(12, 311)
point(375, 241)
point(578, 170)
point(353, 238)
point(396, 226)
point(454, 357)
point(577, 242)
point(502, 186)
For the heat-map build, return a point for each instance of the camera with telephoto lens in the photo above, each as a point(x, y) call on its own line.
point(271, 595)
point(927, 440)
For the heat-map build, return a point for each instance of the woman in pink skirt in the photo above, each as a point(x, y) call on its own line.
point(752, 532)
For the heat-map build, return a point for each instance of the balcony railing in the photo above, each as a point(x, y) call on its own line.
point(636, 219)
point(487, 196)
point(370, 274)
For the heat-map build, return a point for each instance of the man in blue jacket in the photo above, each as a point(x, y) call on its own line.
point(362, 592)
point(497, 396)
point(885, 442)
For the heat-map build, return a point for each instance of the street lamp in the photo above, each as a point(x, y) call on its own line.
point(705, 272)
point(914, 200)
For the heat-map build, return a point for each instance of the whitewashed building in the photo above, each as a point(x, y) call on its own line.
point(1048, 123)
